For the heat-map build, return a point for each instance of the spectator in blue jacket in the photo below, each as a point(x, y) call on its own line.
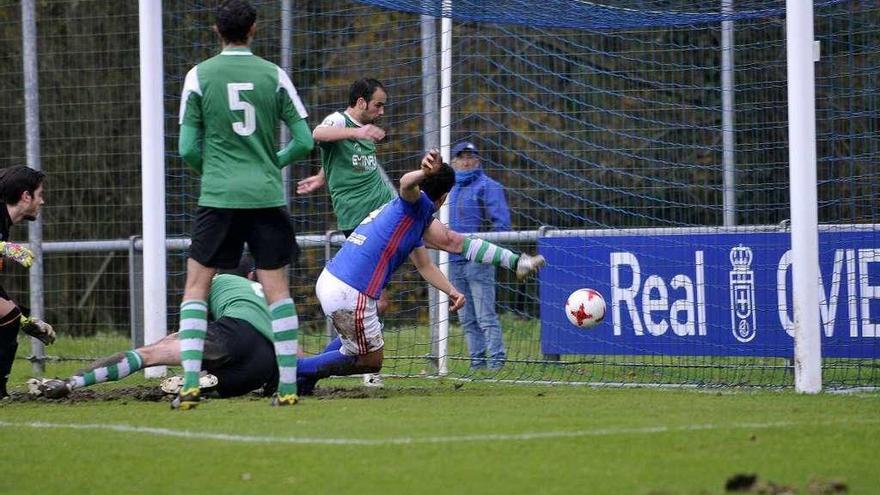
point(477, 204)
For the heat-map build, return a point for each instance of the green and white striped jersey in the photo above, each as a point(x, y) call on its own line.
point(236, 100)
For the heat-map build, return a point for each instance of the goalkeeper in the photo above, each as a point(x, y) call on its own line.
point(21, 193)
point(239, 355)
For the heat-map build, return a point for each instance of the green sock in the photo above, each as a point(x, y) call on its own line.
point(487, 253)
point(114, 368)
point(193, 326)
point(285, 325)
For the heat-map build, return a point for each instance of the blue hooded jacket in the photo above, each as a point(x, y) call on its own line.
point(475, 200)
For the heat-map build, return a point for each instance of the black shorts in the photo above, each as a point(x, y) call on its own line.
point(240, 357)
point(219, 235)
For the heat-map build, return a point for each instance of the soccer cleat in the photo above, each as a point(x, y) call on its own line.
point(33, 385)
point(173, 384)
point(373, 380)
point(187, 399)
point(55, 388)
point(52, 388)
point(528, 265)
point(284, 400)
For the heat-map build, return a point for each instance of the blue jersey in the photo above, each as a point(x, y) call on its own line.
point(381, 243)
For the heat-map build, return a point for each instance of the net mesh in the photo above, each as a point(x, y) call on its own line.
point(593, 115)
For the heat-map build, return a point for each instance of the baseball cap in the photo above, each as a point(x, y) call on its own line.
point(464, 146)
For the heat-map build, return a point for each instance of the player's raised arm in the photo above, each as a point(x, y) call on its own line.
point(409, 183)
point(327, 134)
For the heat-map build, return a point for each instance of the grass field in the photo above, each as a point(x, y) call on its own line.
point(440, 436)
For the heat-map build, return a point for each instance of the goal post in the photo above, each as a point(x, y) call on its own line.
point(804, 216)
point(153, 174)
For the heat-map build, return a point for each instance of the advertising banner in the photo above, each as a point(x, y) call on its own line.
point(709, 294)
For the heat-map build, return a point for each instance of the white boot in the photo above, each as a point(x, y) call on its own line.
point(373, 380)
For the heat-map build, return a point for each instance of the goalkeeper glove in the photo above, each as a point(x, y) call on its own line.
point(18, 253)
point(38, 329)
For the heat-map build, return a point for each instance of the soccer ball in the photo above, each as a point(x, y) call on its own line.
point(585, 308)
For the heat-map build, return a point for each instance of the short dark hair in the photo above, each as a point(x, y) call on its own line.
point(440, 183)
point(363, 88)
point(245, 267)
point(14, 181)
point(234, 20)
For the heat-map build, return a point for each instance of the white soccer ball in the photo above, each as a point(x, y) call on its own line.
point(585, 308)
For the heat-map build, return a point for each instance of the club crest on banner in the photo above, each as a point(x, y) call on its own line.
point(742, 294)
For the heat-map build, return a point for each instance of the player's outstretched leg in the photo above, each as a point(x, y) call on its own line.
point(306, 370)
point(52, 388)
point(108, 369)
point(329, 363)
point(480, 251)
point(528, 265)
point(112, 368)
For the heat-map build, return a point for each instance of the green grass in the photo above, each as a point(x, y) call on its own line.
point(406, 349)
point(621, 441)
point(406, 345)
point(441, 436)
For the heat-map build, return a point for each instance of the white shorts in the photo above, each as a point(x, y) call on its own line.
point(353, 313)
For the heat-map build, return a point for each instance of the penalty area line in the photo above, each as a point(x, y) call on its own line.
point(500, 437)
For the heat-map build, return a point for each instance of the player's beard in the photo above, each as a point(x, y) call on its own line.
point(30, 216)
point(373, 120)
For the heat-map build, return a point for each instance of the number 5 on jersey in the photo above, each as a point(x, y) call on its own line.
point(235, 103)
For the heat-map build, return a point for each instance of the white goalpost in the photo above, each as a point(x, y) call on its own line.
point(802, 175)
point(153, 175)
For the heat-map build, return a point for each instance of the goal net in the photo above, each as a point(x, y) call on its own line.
point(642, 146)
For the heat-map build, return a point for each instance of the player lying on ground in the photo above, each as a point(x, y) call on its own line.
point(238, 345)
point(350, 284)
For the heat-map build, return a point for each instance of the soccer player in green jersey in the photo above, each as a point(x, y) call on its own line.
point(238, 354)
point(349, 166)
point(229, 114)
